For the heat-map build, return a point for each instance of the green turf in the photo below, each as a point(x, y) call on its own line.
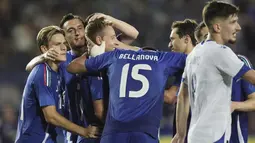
point(167, 139)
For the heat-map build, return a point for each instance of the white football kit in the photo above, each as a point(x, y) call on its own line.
point(209, 71)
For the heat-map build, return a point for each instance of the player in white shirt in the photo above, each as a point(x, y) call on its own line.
point(207, 79)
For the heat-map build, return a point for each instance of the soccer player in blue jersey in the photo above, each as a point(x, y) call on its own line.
point(136, 82)
point(207, 79)
point(84, 100)
point(243, 97)
point(43, 96)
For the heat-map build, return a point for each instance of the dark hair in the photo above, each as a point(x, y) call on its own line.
point(68, 17)
point(186, 27)
point(198, 29)
point(95, 28)
point(45, 34)
point(217, 9)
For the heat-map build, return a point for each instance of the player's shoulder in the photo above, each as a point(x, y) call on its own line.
point(245, 60)
point(213, 45)
point(36, 72)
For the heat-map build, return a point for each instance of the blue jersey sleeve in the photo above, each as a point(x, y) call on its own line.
point(96, 87)
point(99, 62)
point(44, 93)
point(175, 62)
point(248, 88)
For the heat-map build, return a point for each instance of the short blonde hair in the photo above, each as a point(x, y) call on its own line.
point(45, 34)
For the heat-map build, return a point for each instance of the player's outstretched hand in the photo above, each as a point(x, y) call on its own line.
point(177, 139)
point(92, 132)
point(51, 54)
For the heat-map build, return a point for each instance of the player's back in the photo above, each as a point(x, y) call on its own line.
point(137, 81)
point(209, 85)
point(31, 124)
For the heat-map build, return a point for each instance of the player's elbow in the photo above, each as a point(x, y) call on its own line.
point(50, 118)
point(169, 98)
point(135, 34)
point(50, 115)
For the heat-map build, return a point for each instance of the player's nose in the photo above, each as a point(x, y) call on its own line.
point(238, 28)
point(170, 45)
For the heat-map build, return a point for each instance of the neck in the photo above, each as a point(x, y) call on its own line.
point(79, 51)
point(53, 65)
point(189, 49)
point(215, 37)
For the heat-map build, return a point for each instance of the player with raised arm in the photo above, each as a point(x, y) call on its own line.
point(136, 97)
point(207, 79)
point(80, 87)
point(43, 96)
point(243, 97)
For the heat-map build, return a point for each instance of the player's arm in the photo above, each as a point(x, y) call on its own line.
point(78, 65)
point(250, 76)
point(53, 117)
point(170, 95)
point(94, 64)
point(182, 112)
point(129, 33)
point(245, 106)
point(46, 99)
point(49, 55)
point(99, 109)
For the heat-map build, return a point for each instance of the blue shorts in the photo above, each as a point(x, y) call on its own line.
point(85, 140)
point(130, 137)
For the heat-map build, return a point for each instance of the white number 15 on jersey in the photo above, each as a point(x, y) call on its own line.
point(136, 76)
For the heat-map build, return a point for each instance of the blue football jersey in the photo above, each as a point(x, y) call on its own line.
point(240, 91)
point(136, 82)
point(79, 106)
point(43, 88)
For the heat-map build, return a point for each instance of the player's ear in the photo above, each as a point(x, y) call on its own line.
point(216, 27)
point(187, 39)
point(99, 40)
point(43, 48)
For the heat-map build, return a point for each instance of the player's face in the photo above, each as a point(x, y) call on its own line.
point(204, 32)
point(58, 42)
point(110, 38)
point(229, 28)
point(176, 43)
point(75, 33)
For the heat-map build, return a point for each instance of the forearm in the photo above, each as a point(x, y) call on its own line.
point(77, 65)
point(182, 114)
point(60, 121)
point(245, 106)
point(125, 28)
point(37, 60)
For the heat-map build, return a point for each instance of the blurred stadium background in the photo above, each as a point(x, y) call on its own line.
point(20, 21)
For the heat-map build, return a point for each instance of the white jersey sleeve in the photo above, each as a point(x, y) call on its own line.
point(227, 61)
